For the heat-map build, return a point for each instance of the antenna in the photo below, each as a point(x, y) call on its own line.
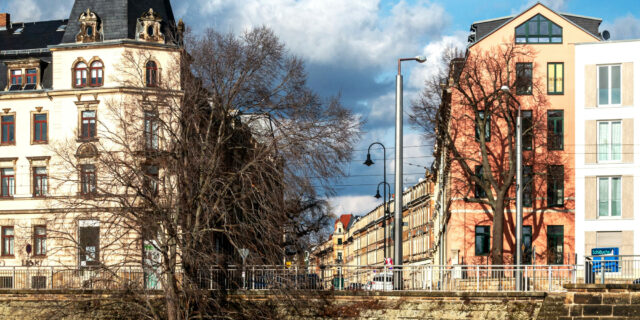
point(606, 35)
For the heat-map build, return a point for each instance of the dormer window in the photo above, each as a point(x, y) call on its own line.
point(90, 27)
point(32, 79)
point(538, 30)
point(148, 27)
point(80, 75)
point(97, 70)
point(152, 74)
point(23, 74)
point(16, 78)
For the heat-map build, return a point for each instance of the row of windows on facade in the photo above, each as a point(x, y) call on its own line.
point(609, 81)
point(555, 185)
point(40, 180)
point(39, 237)
point(609, 142)
point(609, 193)
point(88, 122)
point(83, 76)
point(555, 243)
point(88, 180)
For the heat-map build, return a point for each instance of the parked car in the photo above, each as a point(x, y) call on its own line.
point(382, 282)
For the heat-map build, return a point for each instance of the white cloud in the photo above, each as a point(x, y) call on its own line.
point(35, 10)
point(434, 51)
point(357, 205)
point(354, 33)
point(626, 27)
point(556, 5)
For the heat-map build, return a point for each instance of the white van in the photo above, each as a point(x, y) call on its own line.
point(382, 282)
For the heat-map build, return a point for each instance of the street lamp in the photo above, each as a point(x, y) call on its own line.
point(369, 163)
point(385, 208)
point(397, 254)
point(505, 89)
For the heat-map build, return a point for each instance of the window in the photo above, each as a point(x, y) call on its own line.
point(32, 79)
point(524, 78)
point(80, 75)
point(527, 130)
point(339, 256)
point(528, 194)
point(152, 74)
point(483, 240)
point(40, 240)
point(7, 182)
point(88, 128)
point(40, 128)
point(8, 127)
point(87, 179)
point(527, 244)
point(40, 182)
point(555, 244)
point(89, 240)
point(555, 78)
point(339, 241)
point(151, 130)
point(487, 126)
point(538, 30)
point(479, 191)
point(96, 74)
point(609, 141)
point(16, 77)
point(555, 186)
point(609, 197)
point(609, 85)
point(7, 241)
point(151, 179)
point(555, 130)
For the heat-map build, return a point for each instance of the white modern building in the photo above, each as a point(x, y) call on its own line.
point(607, 163)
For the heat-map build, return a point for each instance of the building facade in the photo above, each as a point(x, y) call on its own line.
point(59, 81)
point(548, 38)
point(606, 161)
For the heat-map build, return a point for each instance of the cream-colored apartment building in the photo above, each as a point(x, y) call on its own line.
point(58, 80)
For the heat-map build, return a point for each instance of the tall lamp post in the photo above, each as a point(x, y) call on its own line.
point(397, 254)
point(369, 163)
point(505, 89)
point(385, 208)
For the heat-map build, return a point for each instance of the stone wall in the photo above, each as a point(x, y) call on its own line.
point(594, 301)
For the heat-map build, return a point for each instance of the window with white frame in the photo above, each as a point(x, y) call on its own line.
point(609, 197)
point(609, 88)
point(609, 140)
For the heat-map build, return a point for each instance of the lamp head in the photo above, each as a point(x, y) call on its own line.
point(378, 196)
point(368, 162)
point(504, 88)
point(421, 59)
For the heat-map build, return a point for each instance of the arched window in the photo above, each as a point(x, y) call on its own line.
point(80, 75)
point(96, 74)
point(152, 74)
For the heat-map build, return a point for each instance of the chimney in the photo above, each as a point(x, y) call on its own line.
point(5, 21)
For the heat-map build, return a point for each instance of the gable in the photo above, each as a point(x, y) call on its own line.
point(567, 22)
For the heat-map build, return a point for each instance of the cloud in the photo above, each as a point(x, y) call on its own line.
point(357, 205)
point(434, 51)
point(622, 28)
point(355, 33)
point(34, 10)
point(556, 5)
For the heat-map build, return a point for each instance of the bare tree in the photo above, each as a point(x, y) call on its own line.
point(224, 153)
point(483, 160)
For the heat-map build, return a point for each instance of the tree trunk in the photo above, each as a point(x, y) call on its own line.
point(171, 297)
point(498, 233)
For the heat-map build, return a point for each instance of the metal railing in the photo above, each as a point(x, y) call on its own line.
point(611, 269)
point(42, 278)
point(379, 278)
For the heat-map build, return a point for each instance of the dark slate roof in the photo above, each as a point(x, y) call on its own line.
point(35, 35)
point(484, 28)
point(118, 17)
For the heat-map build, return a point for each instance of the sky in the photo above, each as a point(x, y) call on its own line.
point(351, 48)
